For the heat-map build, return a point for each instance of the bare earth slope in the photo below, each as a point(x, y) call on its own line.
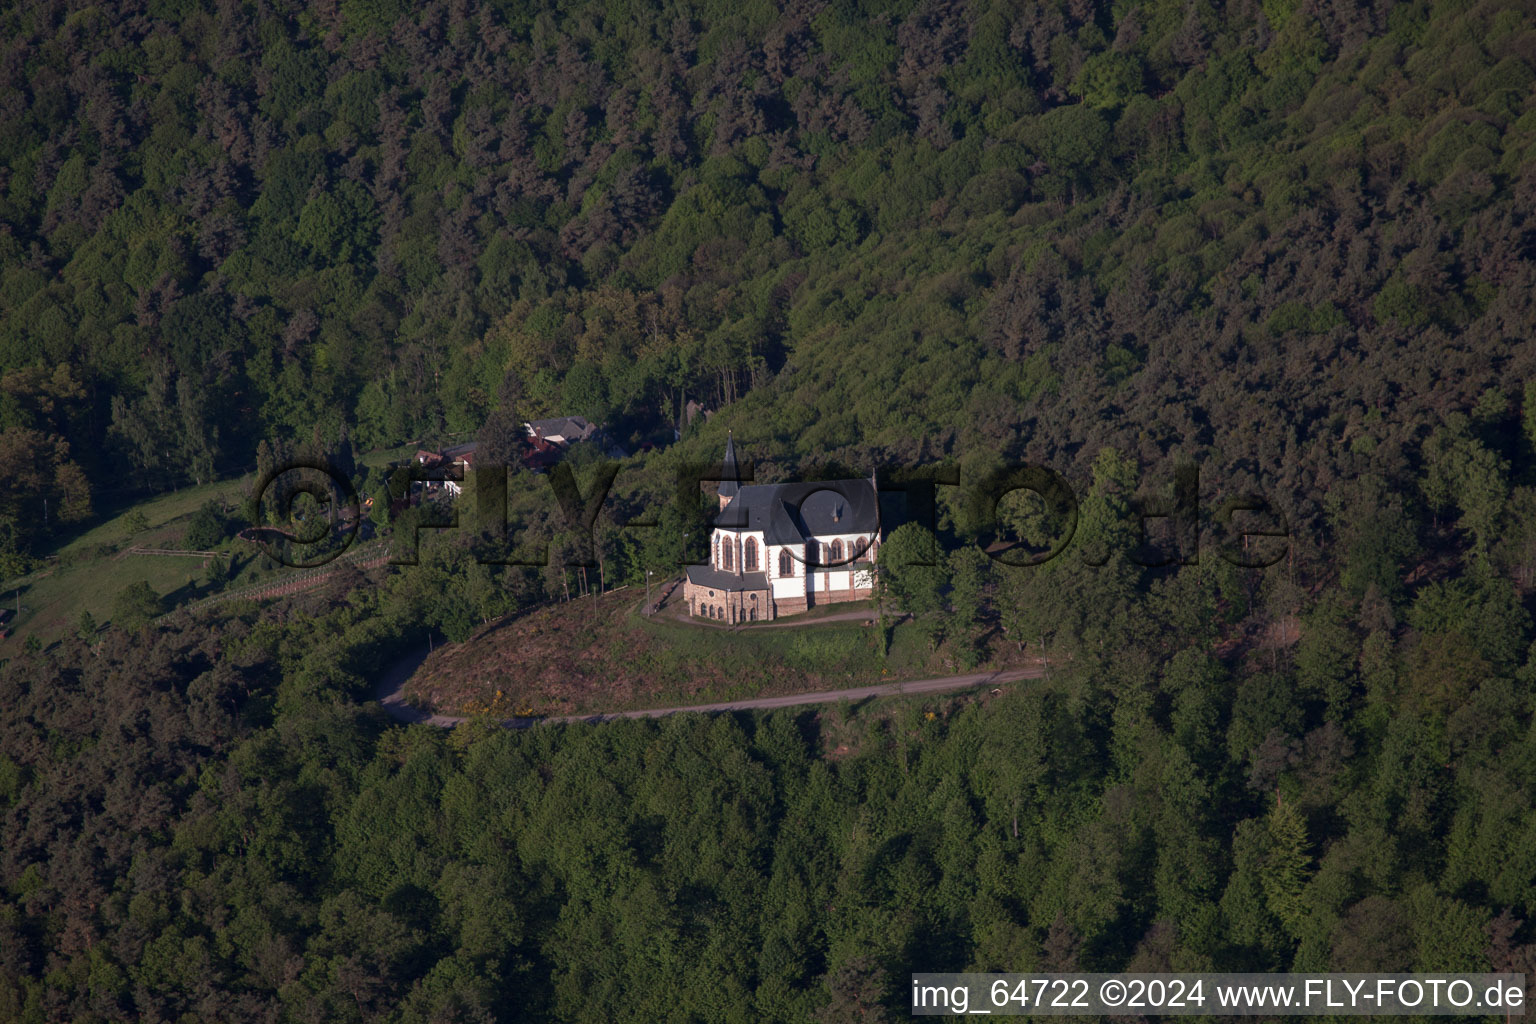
point(579, 659)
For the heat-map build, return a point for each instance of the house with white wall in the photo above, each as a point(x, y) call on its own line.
point(779, 549)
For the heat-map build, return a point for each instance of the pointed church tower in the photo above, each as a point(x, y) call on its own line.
point(730, 477)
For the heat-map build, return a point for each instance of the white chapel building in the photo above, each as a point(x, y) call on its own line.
point(778, 549)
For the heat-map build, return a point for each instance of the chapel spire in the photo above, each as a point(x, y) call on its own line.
point(730, 476)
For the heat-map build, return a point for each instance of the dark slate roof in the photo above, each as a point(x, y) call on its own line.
point(794, 512)
point(730, 476)
point(572, 428)
point(719, 579)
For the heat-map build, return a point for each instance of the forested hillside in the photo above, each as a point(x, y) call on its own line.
point(202, 823)
point(1274, 234)
point(1288, 242)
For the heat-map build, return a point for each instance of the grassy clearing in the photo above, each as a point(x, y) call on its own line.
point(165, 514)
point(86, 572)
point(51, 603)
point(574, 659)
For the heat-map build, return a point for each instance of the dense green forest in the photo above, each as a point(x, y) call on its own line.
point(203, 821)
point(1288, 242)
point(1283, 237)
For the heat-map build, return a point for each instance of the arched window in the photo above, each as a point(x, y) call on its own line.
point(725, 553)
point(836, 556)
point(786, 564)
point(860, 546)
point(749, 555)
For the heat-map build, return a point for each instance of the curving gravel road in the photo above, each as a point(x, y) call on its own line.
point(390, 694)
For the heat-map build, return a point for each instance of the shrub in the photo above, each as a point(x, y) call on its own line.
point(206, 528)
point(135, 606)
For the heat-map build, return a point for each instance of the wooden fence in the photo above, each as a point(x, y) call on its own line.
point(296, 582)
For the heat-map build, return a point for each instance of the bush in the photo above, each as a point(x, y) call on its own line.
point(206, 528)
point(217, 571)
point(135, 606)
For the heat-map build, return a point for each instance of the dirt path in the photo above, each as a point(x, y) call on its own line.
point(391, 688)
